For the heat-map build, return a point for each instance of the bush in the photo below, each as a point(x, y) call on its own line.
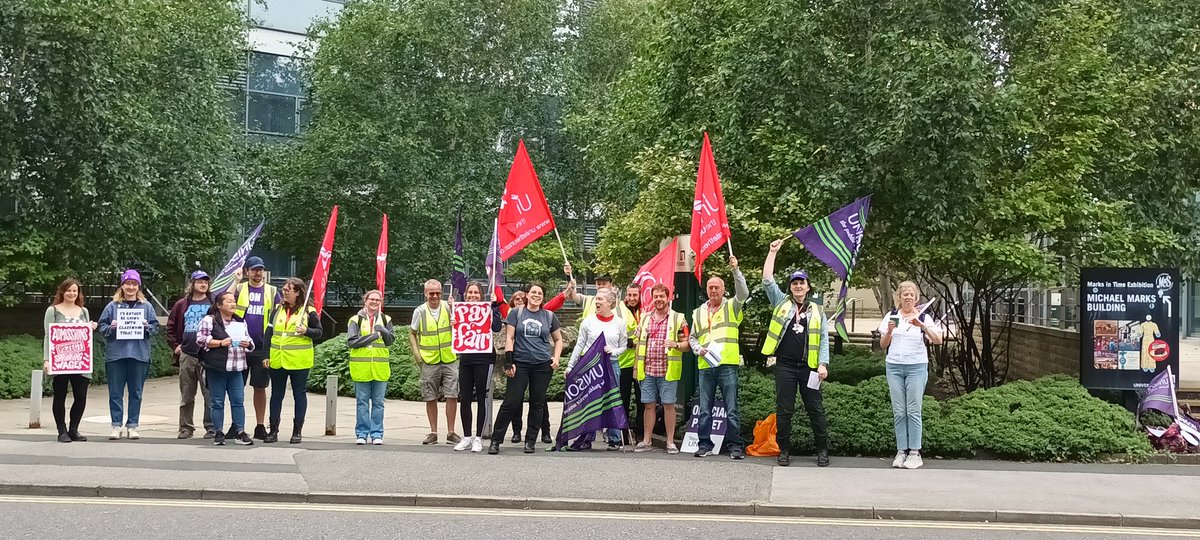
point(855, 365)
point(21, 354)
point(1051, 419)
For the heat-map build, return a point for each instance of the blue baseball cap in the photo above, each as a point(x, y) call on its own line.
point(254, 262)
point(199, 274)
point(798, 274)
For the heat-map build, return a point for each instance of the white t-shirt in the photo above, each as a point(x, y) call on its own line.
point(592, 329)
point(908, 341)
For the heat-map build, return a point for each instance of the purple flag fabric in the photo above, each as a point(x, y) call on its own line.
point(493, 263)
point(228, 276)
point(835, 241)
point(1159, 396)
point(593, 399)
point(458, 279)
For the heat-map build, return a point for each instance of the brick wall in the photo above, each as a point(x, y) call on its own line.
point(1036, 351)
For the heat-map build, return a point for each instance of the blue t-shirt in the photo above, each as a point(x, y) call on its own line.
point(192, 315)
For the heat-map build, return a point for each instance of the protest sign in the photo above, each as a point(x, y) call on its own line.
point(691, 439)
point(131, 323)
point(472, 327)
point(70, 349)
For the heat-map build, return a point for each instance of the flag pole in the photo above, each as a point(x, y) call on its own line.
point(729, 244)
point(495, 254)
point(1171, 384)
point(564, 250)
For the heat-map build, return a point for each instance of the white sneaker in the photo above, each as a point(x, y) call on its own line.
point(115, 435)
point(133, 434)
point(463, 444)
point(899, 461)
point(642, 447)
point(476, 444)
point(377, 442)
point(360, 441)
point(913, 461)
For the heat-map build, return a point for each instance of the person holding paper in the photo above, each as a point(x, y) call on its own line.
point(224, 344)
point(903, 332)
point(715, 329)
point(369, 333)
point(67, 309)
point(473, 372)
point(662, 340)
point(534, 345)
point(604, 324)
point(127, 324)
point(798, 336)
point(182, 324)
point(294, 325)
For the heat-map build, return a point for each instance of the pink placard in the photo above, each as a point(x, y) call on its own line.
point(472, 327)
point(70, 349)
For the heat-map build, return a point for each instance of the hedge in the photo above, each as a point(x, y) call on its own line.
point(21, 354)
point(1050, 419)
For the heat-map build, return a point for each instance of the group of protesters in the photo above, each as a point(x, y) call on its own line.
point(646, 348)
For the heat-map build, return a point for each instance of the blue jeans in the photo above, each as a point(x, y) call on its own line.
point(906, 385)
point(368, 397)
point(726, 377)
point(131, 373)
point(220, 384)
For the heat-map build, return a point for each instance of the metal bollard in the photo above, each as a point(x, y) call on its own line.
point(331, 387)
point(875, 337)
point(35, 399)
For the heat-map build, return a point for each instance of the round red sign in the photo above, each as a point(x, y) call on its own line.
point(1159, 350)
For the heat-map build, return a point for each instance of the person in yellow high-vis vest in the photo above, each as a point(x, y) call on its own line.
point(714, 339)
point(631, 391)
point(798, 336)
point(256, 299)
point(658, 364)
point(432, 343)
point(291, 334)
point(369, 333)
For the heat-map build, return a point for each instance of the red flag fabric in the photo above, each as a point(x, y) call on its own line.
point(381, 257)
point(321, 272)
point(660, 269)
point(524, 212)
point(710, 225)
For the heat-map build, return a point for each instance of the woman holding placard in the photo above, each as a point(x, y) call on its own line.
point(67, 309)
point(224, 341)
point(127, 324)
point(292, 329)
point(473, 371)
point(903, 332)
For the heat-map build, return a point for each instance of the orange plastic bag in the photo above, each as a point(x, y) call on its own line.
point(764, 438)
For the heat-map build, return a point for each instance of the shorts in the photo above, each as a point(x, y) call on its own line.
point(658, 390)
point(439, 380)
point(260, 377)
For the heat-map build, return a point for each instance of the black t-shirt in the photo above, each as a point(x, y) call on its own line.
point(793, 346)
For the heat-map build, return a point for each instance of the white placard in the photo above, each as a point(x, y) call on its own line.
point(238, 332)
point(131, 323)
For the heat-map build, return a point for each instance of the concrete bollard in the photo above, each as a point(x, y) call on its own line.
point(331, 387)
point(35, 399)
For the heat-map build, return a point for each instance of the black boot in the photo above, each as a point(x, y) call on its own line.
point(784, 459)
point(75, 436)
point(529, 447)
point(494, 447)
point(63, 437)
point(260, 432)
point(296, 433)
point(822, 458)
point(273, 435)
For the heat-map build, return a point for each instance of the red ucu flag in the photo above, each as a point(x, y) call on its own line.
point(321, 272)
point(524, 212)
point(710, 225)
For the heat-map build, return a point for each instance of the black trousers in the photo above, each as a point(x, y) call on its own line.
point(535, 378)
point(792, 375)
point(630, 390)
point(79, 388)
point(472, 388)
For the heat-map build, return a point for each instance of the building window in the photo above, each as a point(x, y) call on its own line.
point(271, 114)
point(275, 96)
point(294, 16)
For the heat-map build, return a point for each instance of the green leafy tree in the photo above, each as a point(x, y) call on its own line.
point(116, 147)
point(1004, 144)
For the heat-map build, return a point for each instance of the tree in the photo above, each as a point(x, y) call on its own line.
point(417, 108)
point(115, 140)
point(1004, 143)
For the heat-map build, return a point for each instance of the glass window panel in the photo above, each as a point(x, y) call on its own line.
point(305, 114)
point(277, 74)
point(237, 107)
point(291, 15)
point(272, 114)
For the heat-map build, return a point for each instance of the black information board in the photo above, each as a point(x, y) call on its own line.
point(1128, 326)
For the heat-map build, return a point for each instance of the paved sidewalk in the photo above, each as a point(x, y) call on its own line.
point(403, 472)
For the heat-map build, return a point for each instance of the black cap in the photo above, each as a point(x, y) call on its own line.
point(604, 277)
point(254, 262)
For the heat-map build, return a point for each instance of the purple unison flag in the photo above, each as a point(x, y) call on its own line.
point(592, 398)
point(228, 276)
point(494, 265)
point(1159, 396)
point(835, 240)
point(458, 279)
